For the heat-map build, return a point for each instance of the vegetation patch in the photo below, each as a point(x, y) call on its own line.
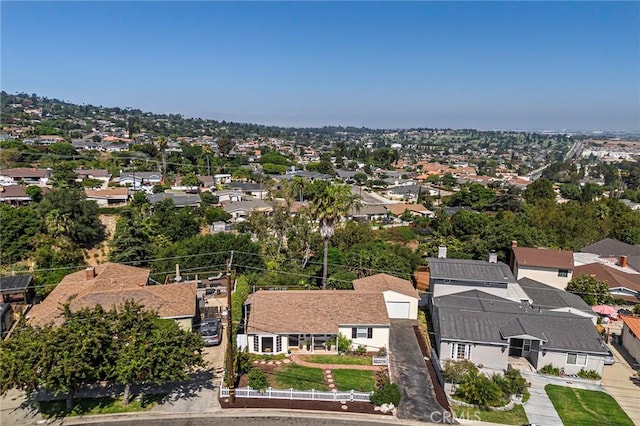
point(298, 377)
point(95, 406)
point(586, 407)
point(515, 416)
point(358, 380)
point(337, 359)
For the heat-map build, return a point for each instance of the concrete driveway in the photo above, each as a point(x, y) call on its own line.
point(617, 380)
point(409, 371)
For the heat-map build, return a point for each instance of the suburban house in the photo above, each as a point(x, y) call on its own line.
point(368, 212)
point(239, 210)
point(613, 251)
point(25, 176)
point(98, 174)
point(494, 333)
point(400, 297)
point(622, 285)
point(179, 199)
point(111, 197)
point(17, 289)
point(552, 267)
point(631, 336)
point(257, 190)
point(279, 321)
point(138, 179)
point(414, 209)
point(15, 195)
point(229, 195)
point(450, 276)
point(548, 298)
point(112, 284)
point(221, 179)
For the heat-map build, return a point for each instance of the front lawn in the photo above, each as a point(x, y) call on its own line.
point(586, 407)
point(298, 377)
point(358, 380)
point(515, 416)
point(337, 359)
point(88, 406)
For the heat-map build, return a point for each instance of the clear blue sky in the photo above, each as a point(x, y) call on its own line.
point(488, 65)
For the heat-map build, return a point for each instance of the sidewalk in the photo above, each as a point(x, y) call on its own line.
point(618, 379)
point(539, 409)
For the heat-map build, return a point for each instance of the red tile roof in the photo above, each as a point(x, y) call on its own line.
point(633, 323)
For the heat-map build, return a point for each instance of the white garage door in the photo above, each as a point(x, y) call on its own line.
point(398, 309)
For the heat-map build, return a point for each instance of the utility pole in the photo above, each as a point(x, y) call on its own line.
point(230, 372)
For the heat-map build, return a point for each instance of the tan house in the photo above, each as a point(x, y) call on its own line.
point(631, 336)
point(400, 297)
point(111, 284)
point(278, 321)
point(551, 267)
point(111, 197)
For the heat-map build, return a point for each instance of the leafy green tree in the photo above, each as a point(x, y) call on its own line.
point(208, 198)
point(191, 180)
point(215, 214)
point(225, 145)
point(274, 158)
point(174, 223)
point(35, 192)
point(328, 208)
point(592, 291)
point(19, 228)
point(130, 244)
point(257, 380)
point(63, 149)
point(540, 191)
point(64, 177)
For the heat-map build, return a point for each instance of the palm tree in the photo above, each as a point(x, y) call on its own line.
point(334, 202)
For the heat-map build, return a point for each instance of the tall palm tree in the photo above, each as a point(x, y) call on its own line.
point(328, 207)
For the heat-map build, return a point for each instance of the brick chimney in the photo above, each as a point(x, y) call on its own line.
point(514, 243)
point(90, 273)
point(623, 262)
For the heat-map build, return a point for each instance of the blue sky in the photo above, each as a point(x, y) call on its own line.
point(488, 65)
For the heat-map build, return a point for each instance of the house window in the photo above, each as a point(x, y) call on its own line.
point(563, 273)
point(526, 345)
point(460, 351)
point(576, 359)
point(361, 333)
point(256, 344)
point(278, 344)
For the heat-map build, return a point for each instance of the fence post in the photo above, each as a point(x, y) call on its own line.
point(313, 394)
point(269, 392)
point(351, 395)
point(291, 389)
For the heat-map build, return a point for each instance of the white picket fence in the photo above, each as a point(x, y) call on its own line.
point(270, 393)
point(380, 360)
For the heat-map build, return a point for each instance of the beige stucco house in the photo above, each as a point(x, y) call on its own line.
point(551, 267)
point(400, 297)
point(112, 284)
point(631, 336)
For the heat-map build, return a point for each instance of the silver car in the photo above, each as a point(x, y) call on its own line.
point(211, 331)
point(609, 359)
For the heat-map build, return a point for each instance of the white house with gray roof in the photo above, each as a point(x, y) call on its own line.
point(494, 332)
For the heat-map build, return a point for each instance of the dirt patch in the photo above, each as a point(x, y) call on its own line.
point(352, 407)
point(100, 254)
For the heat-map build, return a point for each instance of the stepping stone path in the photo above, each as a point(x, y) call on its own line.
point(328, 377)
point(286, 361)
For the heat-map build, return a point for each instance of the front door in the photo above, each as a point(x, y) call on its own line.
point(515, 347)
point(267, 344)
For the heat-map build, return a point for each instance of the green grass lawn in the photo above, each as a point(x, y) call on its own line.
point(586, 407)
point(298, 377)
point(358, 380)
point(337, 359)
point(87, 407)
point(515, 416)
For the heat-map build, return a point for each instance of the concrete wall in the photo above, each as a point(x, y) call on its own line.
point(631, 343)
point(184, 323)
point(490, 357)
point(559, 359)
point(392, 296)
point(543, 275)
point(379, 339)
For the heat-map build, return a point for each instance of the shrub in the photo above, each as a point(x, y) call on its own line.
point(476, 388)
point(361, 350)
point(243, 362)
point(454, 371)
point(636, 309)
point(382, 378)
point(344, 343)
point(388, 394)
point(550, 370)
point(516, 384)
point(589, 374)
point(257, 379)
point(382, 351)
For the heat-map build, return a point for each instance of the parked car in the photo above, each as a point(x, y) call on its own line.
point(609, 359)
point(624, 311)
point(211, 331)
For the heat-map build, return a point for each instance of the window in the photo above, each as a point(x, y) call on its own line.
point(361, 333)
point(460, 351)
point(256, 344)
point(278, 344)
point(576, 359)
point(526, 345)
point(563, 273)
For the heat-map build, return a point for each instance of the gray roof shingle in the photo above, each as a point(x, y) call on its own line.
point(470, 270)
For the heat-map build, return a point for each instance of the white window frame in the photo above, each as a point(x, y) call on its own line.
point(564, 273)
point(362, 332)
point(526, 343)
point(578, 356)
point(456, 350)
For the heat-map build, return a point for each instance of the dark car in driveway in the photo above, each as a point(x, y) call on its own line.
point(211, 331)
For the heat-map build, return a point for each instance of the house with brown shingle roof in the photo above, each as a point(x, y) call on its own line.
point(622, 285)
point(400, 297)
point(551, 267)
point(111, 197)
point(279, 321)
point(111, 284)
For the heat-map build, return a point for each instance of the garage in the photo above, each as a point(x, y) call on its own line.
point(399, 309)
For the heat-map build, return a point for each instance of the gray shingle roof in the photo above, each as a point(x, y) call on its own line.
point(470, 270)
point(547, 297)
point(15, 284)
point(611, 247)
point(179, 199)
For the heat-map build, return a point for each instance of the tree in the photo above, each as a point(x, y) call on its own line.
point(35, 192)
point(539, 191)
point(257, 380)
point(191, 181)
point(64, 177)
point(328, 207)
point(215, 214)
point(592, 291)
point(225, 145)
point(130, 243)
point(18, 230)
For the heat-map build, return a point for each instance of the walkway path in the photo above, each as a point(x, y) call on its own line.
point(539, 408)
point(298, 360)
point(619, 380)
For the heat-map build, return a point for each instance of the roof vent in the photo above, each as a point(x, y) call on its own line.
point(442, 252)
point(493, 257)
